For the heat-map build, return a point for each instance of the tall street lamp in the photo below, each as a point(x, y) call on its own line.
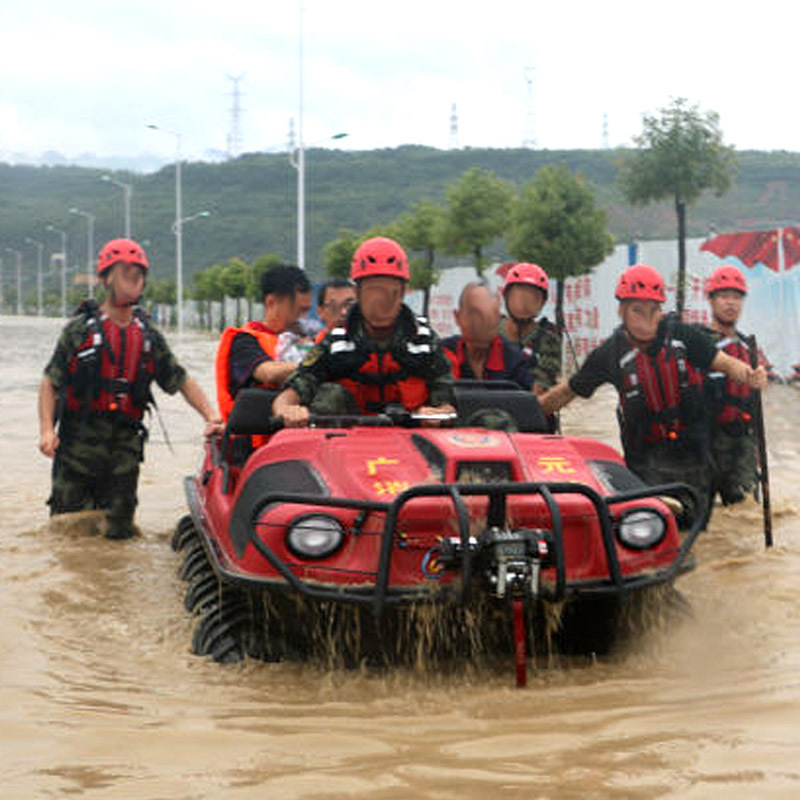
point(177, 226)
point(63, 234)
point(127, 190)
point(298, 161)
point(191, 217)
point(39, 248)
point(18, 257)
point(90, 218)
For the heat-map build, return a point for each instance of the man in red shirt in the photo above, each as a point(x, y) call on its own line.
point(480, 353)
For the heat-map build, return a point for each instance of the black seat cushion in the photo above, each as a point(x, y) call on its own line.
point(251, 412)
point(520, 404)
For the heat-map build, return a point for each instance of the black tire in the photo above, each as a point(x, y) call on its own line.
point(226, 630)
point(201, 592)
point(184, 533)
point(194, 561)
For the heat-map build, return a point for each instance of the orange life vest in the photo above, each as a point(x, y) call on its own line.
point(375, 377)
point(269, 344)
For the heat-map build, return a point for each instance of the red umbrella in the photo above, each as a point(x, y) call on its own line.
point(750, 247)
point(757, 247)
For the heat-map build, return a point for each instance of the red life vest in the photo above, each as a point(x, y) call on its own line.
point(733, 402)
point(660, 398)
point(377, 377)
point(112, 369)
point(269, 344)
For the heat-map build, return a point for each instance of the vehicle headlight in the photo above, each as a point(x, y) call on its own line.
point(314, 536)
point(641, 528)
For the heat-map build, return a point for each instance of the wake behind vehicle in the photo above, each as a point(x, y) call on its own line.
point(344, 536)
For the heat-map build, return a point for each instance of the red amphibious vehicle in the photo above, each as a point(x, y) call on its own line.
point(371, 519)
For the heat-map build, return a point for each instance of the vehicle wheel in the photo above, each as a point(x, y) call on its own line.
point(201, 592)
point(185, 532)
point(195, 562)
point(226, 628)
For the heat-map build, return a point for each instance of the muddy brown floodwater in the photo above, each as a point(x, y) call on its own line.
point(100, 696)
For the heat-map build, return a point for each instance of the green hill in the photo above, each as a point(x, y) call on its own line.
point(253, 200)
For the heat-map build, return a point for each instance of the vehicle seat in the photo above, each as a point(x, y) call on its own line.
point(250, 416)
point(520, 404)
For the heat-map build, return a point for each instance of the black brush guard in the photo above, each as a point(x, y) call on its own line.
point(382, 594)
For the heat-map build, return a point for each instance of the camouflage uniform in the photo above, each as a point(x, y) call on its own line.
point(321, 367)
point(667, 463)
point(542, 345)
point(96, 465)
point(733, 448)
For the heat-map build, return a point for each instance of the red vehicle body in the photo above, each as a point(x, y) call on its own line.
point(381, 517)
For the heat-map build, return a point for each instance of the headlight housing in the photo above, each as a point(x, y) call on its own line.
point(314, 536)
point(641, 528)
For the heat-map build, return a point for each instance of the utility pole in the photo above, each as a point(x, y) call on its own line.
point(529, 131)
point(39, 248)
point(453, 143)
point(235, 133)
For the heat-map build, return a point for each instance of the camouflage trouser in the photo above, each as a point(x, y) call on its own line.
point(668, 464)
point(97, 467)
point(735, 468)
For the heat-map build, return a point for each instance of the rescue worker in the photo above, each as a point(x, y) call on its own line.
point(653, 360)
point(97, 383)
point(248, 356)
point(479, 352)
point(525, 293)
point(382, 355)
point(336, 298)
point(732, 440)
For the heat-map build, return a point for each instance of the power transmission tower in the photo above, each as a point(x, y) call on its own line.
point(529, 131)
point(235, 134)
point(453, 143)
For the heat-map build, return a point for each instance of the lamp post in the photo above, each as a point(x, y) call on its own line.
point(127, 191)
point(191, 217)
point(63, 234)
point(177, 226)
point(18, 259)
point(90, 218)
point(298, 161)
point(39, 248)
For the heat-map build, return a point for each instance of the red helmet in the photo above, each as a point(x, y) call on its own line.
point(121, 250)
point(380, 256)
point(527, 274)
point(726, 277)
point(640, 282)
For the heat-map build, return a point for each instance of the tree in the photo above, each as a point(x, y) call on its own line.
point(680, 155)
point(235, 279)
point(419, 230)
point(338, 253)
point(261, 265)
point(477, 211)
point(208, 287)
point(558, 225)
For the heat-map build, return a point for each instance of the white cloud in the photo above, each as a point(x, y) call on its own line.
point(91, 74)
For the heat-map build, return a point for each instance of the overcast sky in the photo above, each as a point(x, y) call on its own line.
point(87, 76)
